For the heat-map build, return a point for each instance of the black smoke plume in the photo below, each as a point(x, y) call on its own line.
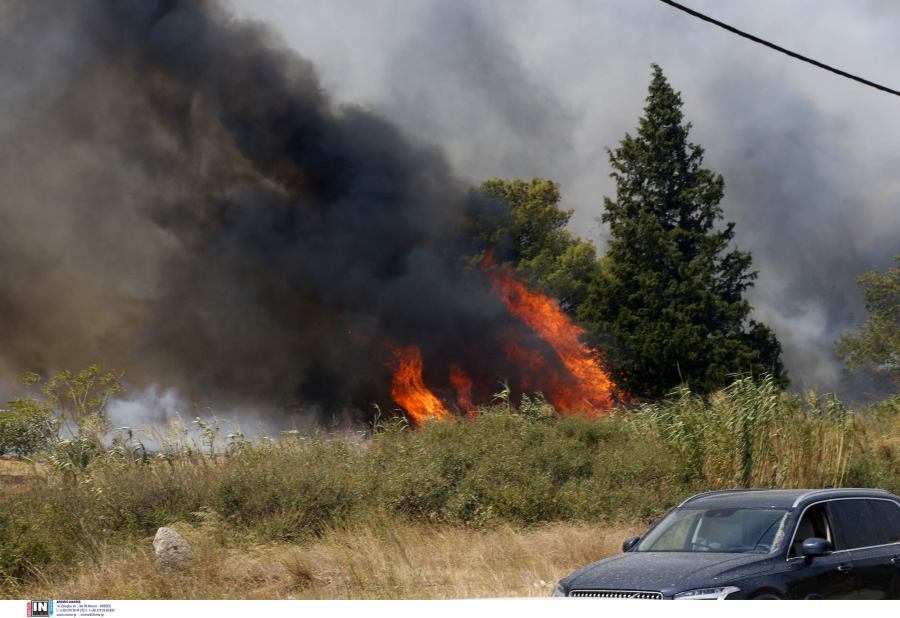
point(181, 199)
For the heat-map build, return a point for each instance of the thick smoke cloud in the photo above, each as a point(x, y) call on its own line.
point(183, 196)
point(809, 158)
point(182, 199)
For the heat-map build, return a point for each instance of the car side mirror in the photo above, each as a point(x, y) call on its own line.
point(814, 546)
point(627, 545)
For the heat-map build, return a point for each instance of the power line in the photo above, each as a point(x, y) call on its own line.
point(776, 48)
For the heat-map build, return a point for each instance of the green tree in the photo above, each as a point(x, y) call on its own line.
point(668, 307)
point(877, 345)
point(67, 421)
point(528, 228)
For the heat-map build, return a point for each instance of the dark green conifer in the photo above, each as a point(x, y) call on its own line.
point(668, 307)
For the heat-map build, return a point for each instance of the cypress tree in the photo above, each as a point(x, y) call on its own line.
point(668, 307)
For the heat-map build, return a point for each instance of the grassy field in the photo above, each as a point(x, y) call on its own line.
point(377, 560)
point(491, 506)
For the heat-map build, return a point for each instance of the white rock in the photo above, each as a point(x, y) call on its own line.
point(172, 550)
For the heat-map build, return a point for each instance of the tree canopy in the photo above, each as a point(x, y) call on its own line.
point(528, 229)
point(668, 306)
point(877, 345)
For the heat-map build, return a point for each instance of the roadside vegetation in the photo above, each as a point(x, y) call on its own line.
point(473, 507)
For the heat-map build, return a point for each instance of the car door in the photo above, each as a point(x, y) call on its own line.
point(871, 557)
point(828, 577)
point(886, 516)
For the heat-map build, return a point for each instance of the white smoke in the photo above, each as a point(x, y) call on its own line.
point(147, 409)
point(156, 413)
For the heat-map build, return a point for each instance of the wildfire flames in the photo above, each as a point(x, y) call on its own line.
point(575, 382)
point(590, 384)
point(463, 386)
point(307, 251)
point(408, 390)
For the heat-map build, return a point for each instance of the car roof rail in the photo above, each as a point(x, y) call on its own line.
point(717, 491)
point(834, 489)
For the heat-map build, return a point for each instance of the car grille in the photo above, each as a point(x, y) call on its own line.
point(618, 594)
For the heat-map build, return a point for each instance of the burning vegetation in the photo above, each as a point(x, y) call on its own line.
point(240, 224)
point(233, 223)
point(408, 390)
point(569, 375)
point(584, 385)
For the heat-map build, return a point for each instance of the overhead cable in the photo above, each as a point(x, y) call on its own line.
point(776, 48)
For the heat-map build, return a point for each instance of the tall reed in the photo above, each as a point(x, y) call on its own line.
point(751, 434)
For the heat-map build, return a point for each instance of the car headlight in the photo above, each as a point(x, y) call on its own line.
point(707, 593)
point(559, 591)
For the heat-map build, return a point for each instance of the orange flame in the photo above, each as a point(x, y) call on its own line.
point(591, 384)
point(408, 390)
point(575, 382)
point(463, 386)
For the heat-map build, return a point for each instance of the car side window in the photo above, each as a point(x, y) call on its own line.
point(814, 523)
point(887, 520)
point(855, 522)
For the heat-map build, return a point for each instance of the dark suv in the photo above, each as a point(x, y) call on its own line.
point(758, 544)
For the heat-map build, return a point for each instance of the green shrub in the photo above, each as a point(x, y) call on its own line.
point(520, 469)
point(36, 533)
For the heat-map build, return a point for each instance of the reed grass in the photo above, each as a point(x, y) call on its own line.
point(755, 435)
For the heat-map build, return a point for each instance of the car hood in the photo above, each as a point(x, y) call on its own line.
point(666, 570)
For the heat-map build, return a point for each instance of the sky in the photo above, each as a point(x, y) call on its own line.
point(543, 88)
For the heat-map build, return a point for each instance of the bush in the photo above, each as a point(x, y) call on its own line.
point(67, 403)
point(520, 469)
point(34, 533)
point(27, 429)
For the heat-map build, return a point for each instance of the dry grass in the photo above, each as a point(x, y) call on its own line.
point(20, 476)
point(380, 560)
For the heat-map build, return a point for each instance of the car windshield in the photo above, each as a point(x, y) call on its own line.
point(715, 530)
